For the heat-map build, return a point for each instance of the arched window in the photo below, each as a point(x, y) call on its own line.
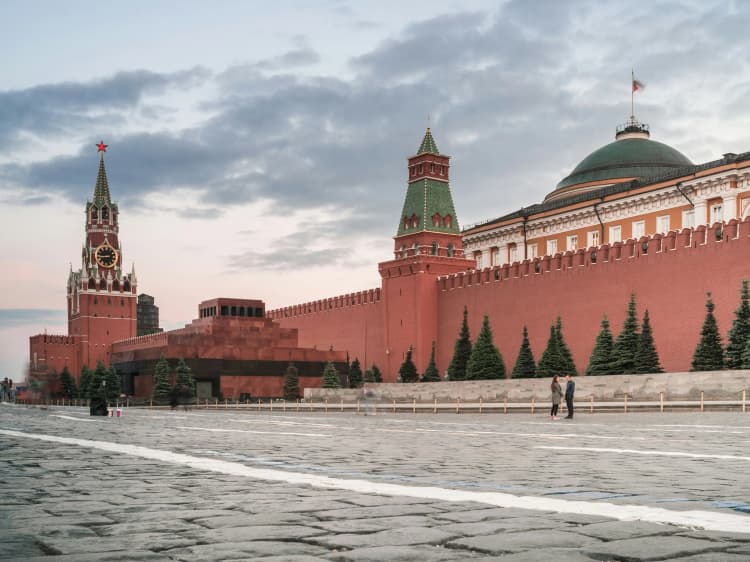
point(92, 284)
point(432, 168)
point(406, 222)
point(105, 213)
point(450, 250)
point(94, 213)
point(434, 248)
point(103, 285)
point(115, 285)
point(436, 219)
point(414, 221)
point(415, 248)
point(126, 286)
point(403, 251)
point(447, 221)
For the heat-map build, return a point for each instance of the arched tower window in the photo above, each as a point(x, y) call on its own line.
point(436, 219)
point(414, 221)
point(447, 221)
point(103, 285)
point(115, 285)
point(450, 250)
point(94, 214)
point(434, 248)
point(126, 286)
point(92, 284)
point(406, 222)
point(403, 251)
point(415, 248)
point(105, 213)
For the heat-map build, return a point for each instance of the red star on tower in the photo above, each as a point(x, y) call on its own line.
point(102, 147)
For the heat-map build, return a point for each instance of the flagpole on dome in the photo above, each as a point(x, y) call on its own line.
point(632, 93)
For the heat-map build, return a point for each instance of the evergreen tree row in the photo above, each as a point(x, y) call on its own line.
point(183, 390)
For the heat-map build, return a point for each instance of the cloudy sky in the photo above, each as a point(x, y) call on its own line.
point(258, 149)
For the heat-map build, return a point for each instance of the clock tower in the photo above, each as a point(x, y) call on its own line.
point(101, 296)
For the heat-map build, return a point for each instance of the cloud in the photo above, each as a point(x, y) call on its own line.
point(518, 97)
point(12, 317)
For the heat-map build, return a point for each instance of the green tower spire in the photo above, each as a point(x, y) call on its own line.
point(428, 145)
point(101, 190)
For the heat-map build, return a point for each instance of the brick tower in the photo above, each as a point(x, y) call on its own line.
point(427, 245)
point(101, 297)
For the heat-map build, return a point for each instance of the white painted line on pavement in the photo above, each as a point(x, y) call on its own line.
point(219, 430)
point(647, 453)
point(72, 418)
point(708, 520)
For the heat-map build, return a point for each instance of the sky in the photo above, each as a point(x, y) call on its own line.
point(258, 150)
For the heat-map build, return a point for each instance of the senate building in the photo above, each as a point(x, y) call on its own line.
point(634, 217)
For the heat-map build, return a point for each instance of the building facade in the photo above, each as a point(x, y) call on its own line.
point(148, 315)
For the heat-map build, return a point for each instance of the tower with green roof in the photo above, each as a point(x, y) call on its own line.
point(427, 245)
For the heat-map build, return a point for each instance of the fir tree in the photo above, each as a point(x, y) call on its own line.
point(97, 382)
point(626, 345)
point(85, 383)
point(600, 362)
point(431, 374)
point(461, 353)
point(376, 373)
point(113, 384)
point(550, 362)
point(485, 361)
point(646, 358)
point(525, 366)
point(408, 371)
point(709, 354)
point(567, 365)
point(160, 390)
point(746, 355)
point(68, 384)
point(291, 383)
point(369, 376)
point(355, 374)
point(331, 376)
point(184, 383)
point(739, 334)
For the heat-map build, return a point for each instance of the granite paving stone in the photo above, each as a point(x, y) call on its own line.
point(614, 530)
point(524, 540)
point(401, 554)
point(396, 537)
point(652, 548)
point(245, 549)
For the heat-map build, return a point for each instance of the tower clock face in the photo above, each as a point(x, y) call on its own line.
point(106, 255)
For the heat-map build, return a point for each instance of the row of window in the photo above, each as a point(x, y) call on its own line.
point(437, 221)
point(104, 214)
point(450, 250)
point(226, 310)
point(637, 230)
point(419, 169)
point(103, 285)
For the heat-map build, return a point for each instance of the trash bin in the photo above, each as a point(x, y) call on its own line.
point(98, 407)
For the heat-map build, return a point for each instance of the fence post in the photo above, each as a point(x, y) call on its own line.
point(226, 403)
point(326, 409)
point(358, 405)
point(626, 403)
point(342, 403)
point(283, 407)
point(744, 395)
point(150, 404)
point(458, 405)
point(661, 402)
point(532, 405)
point(394, 405)
point(701, 400)
point(480, 404)
point(505, 405)
point(591, 410)
point(434, 409)
point(414, 406)
point(271, 405)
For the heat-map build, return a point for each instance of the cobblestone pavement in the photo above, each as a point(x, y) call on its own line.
point(229, 485)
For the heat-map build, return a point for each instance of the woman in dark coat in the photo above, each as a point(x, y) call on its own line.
point(557, 394)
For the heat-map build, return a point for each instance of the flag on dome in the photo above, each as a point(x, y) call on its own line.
point(638, 85)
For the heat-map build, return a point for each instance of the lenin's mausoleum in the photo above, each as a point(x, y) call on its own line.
point(633, 217)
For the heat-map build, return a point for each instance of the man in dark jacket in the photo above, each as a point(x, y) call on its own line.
point(570, 390)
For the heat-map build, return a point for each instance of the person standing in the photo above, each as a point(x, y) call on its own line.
point(570, 390)
point(557, 394)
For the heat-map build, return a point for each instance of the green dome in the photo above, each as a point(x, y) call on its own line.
point(625, 158)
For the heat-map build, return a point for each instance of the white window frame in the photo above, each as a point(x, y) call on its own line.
point(531, 251)
point(662, 224)
point(688, 218)
point(513, 253)
point(592, 238)
point(478, 259)
point(615, 234)
point(717, 213)
point(572, 243)
point(494, 256)
point(638, 229)
point(551, 247)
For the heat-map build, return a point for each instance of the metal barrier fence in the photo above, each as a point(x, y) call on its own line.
point(591, 406)
point(627, 404)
